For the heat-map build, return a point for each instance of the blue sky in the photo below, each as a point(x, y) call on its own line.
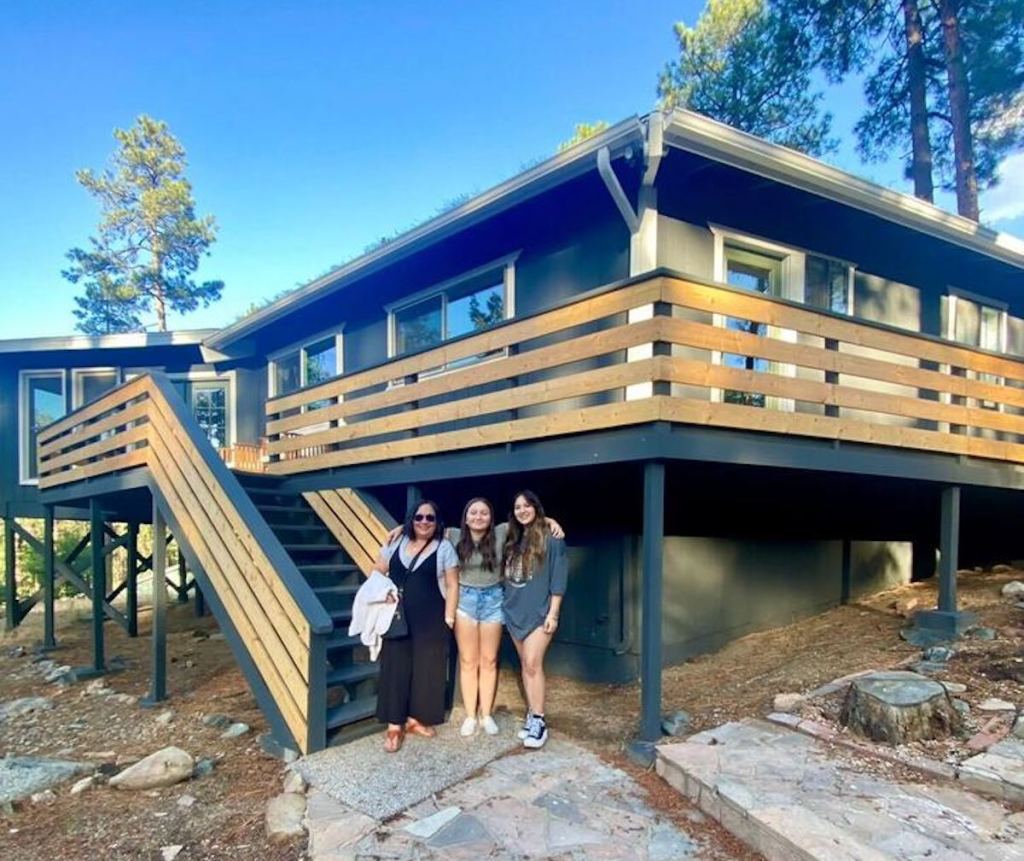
point(314, 128)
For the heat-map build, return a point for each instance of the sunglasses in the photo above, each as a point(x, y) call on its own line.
point(420, 518)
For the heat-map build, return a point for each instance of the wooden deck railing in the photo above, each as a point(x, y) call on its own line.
point(272, 609)
point(815, 374)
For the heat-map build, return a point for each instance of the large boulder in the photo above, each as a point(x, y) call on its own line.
point(285, 815)
point(898, 707)
point(164, 768)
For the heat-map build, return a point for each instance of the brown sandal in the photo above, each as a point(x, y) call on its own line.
point(414, 726)
point(393, 739)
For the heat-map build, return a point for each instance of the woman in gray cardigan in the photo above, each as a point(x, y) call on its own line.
point(536, 573)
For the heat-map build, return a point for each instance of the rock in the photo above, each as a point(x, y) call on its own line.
point(186, 801)
point(98, 688)
point(787, 702)
point(164, 718)
point(897, 707)
point(16, 652)
point(993, 704)
point(926, 668)
point(905, 606)
point(963, 708)
point(45, 797)
point(1001, 569)
point(285, 813)
point(59, 674)
point(983, 633)
point(204, 768)
point(235, 730)
point(938, 654)
point(676, 723)
point(169, 853)
point(1018, 728)
point(1013, 589)
point(954, 687)
point(994, 731)
point(125, 699)
point(24, 706)
point(83, 784)
point(217, 635)
point(163, 768)
point(295, 782)
point(217, 721)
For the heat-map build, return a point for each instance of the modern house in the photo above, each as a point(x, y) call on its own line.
point(750, 385)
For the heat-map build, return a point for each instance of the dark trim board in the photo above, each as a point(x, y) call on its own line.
point(83, 491)
point(278, 726)
point(666, 441)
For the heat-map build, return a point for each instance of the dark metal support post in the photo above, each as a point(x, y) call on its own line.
point(158, 685)
point(845, 585)
point(413, 494)
point(651, 612)
point(132, 584)
point(49, 572)
point(10, 581)
point(182, 578)
point(97, 590)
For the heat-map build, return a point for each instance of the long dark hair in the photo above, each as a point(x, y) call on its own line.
point(409, 531)
point(486, 546)
point(529, 543)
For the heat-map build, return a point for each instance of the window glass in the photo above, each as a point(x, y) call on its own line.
point(45, 404)
point(287, 373)
point(477, 310)
point(758, 273)
point(210, 408)
point(89, 385)
point(826, 284)
point(321, 361)
point(419, 326)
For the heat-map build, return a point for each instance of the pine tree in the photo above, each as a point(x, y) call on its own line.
point(149, 240)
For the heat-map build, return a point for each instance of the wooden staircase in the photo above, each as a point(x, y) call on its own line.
point(278, 574)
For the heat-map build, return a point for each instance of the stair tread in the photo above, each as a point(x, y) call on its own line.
point(337, 589)
point(329, 566)
point(312, 547)
point(351, 674)
point(341, 640)
point(297, 527)
point(351, 712)
point(290, 508)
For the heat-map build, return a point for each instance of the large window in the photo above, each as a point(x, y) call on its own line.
point(471, 303)
point(828, 284)
point(42, 401)
point(977, 322)
point(305, 365)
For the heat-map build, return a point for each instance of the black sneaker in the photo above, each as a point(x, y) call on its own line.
point(537, 734)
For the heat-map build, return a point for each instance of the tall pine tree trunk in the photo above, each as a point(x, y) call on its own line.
point(921, 160)
point(158, 293)
point(959, 111)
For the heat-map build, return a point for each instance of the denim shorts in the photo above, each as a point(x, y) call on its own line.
point(482, 603)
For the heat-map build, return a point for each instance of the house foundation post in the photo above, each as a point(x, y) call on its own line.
point(158, 680)
point(132, 584)
point(642, 749)
point(49, 571)
point(10, 574)
point(97, 590)
point(947, 622)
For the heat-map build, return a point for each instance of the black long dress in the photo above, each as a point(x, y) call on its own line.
point(412, 669)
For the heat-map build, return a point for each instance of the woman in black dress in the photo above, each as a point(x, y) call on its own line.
point(424, 566)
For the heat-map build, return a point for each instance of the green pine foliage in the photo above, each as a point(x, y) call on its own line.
point(149, 241)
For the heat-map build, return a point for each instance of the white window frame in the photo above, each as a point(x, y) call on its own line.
point(228, 377)
point(506, 264)
point(300, 347)
point(23, 432)
point(78, 373)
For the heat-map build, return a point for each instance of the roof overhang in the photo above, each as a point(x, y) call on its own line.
point(122, 341)
point(718, 142)
point(555, 171)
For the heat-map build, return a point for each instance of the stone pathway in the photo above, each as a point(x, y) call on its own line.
point(792, 797)
point(560, 803)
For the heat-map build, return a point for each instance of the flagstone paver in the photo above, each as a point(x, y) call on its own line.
point(562, 802)
point(791, 796)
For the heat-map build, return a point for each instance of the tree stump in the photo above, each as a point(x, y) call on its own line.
point(897, 707)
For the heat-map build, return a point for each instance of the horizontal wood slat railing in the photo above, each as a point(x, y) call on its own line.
point(353, 525)
point(810, 373)
point(273, 611)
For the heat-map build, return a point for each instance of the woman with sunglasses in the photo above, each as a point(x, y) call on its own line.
point(424, 567)
point(536, 574)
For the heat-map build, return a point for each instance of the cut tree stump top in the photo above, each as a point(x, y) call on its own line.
point(900, 687)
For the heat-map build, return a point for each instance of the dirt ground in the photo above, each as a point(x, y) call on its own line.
point(226, 818)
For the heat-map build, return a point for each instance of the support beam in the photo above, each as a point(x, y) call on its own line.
point(158, 681)
point(651, 611)
point(132, 590)
point(98, 587)
point(946, 622)
point(182, 589)
point(413, 494)
point(10, 575)
point(49, 581)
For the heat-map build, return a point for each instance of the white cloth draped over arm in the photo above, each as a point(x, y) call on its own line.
point(372, 613)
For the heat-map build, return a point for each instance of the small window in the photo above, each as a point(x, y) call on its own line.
point(463, 307)
point(976, 323)
point(288, 373)
point(42, 403)
point(827, 284)
point(308, 365)
point(210, 408)
point(90, 384)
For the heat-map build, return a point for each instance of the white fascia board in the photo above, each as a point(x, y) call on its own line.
point(123, 341)
point(718, 142)
point(554, 171)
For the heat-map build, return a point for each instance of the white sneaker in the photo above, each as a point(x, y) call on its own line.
point(468, 727)
point(490, 727)
point(525, 731)
point(538, 733)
